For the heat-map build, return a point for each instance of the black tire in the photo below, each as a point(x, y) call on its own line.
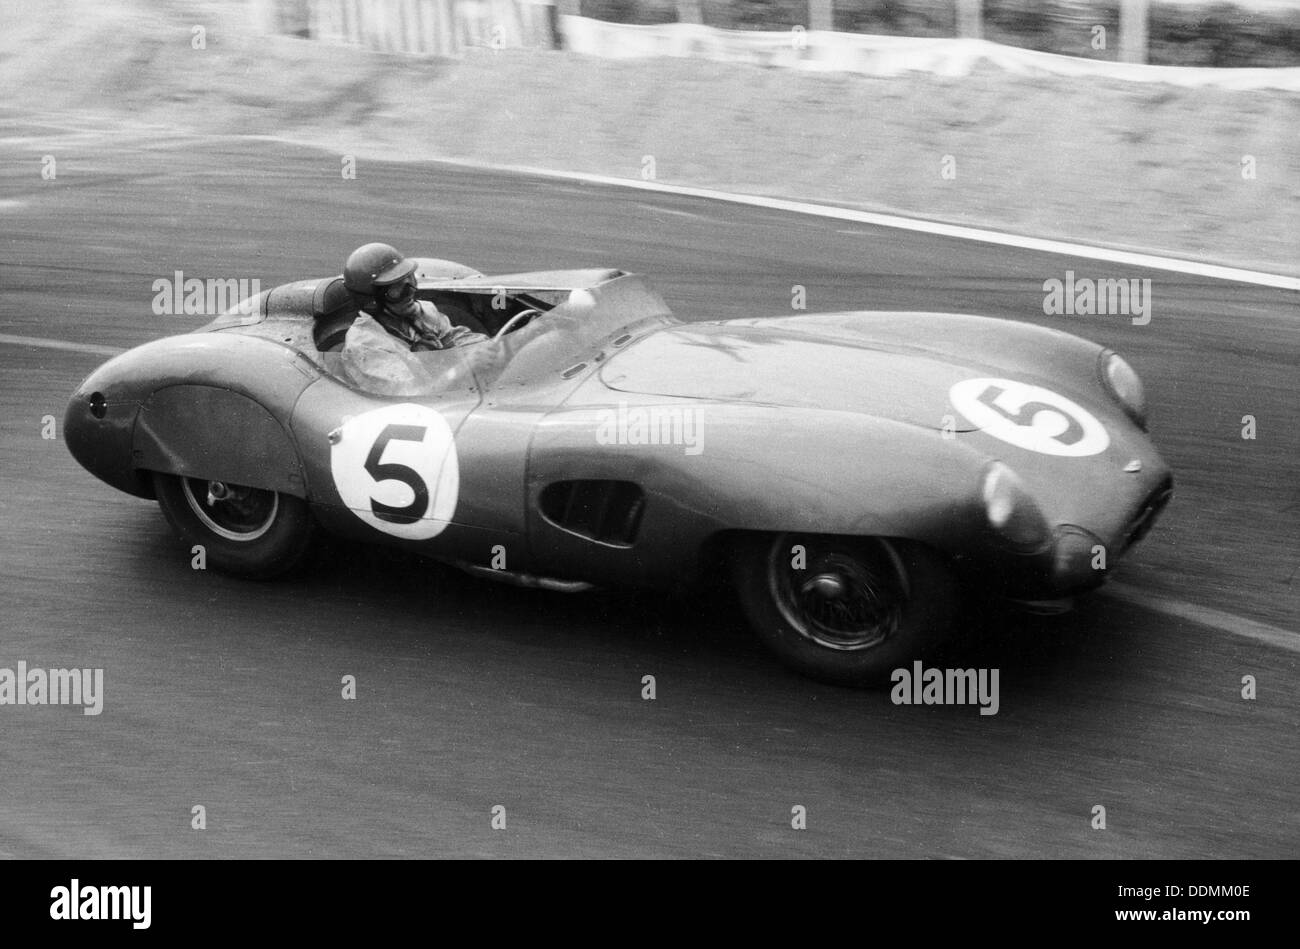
point(251, 533)
point(853, 611)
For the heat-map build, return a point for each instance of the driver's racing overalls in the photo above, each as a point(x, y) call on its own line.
point(378, 352)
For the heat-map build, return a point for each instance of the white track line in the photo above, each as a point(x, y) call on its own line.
point(1067, 248)
point(1205, 616)
point(40, 342)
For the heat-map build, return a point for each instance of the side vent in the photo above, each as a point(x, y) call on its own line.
point(605, 511)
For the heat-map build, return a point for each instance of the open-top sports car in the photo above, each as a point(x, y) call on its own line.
point(851, 472)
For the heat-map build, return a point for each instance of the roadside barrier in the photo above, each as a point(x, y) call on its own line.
point(418, 27)
point(824, 51)
point(449, 27)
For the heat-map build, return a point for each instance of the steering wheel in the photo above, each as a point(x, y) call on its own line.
point(520, 317)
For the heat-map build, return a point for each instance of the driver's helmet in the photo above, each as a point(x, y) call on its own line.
point(379, 276)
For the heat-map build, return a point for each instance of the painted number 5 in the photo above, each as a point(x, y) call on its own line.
point(396, 469)
point(1069, 430)
point(1030, 417)
point(392, 471)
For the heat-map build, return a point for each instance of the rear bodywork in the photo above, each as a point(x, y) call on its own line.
point(607, 442)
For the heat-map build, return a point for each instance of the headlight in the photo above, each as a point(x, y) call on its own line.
point(1125, 386)
point(1010, 509)
point(1076, 552)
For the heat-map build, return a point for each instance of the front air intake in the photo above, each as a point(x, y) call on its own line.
point(604, 511)
point(1146, 516)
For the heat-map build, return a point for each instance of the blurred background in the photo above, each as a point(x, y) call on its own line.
point(1167, 32)
point(1164, 126)
point(1178, 32)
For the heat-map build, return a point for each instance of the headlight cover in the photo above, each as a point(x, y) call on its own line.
point(1010, 509)
point(1124, 386)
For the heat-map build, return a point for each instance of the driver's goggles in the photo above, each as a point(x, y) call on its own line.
point(399, 292)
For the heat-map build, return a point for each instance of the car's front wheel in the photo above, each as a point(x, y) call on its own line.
point(847, 610)
point(250, 532)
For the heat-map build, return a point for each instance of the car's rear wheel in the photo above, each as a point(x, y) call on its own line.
point(250, 532)
point(847, 610)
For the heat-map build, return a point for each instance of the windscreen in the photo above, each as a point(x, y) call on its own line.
point(549, 344)
point(575, 330)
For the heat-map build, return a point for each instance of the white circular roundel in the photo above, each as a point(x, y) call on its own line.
point(396, 469)
point(1029, 417)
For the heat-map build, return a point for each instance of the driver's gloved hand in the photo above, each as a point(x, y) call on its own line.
point(433, 330)
point(462, 335)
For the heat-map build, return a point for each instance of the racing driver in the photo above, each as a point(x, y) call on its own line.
point(393, 323)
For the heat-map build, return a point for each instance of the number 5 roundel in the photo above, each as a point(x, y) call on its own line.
point(396, 469)
point(1030, 417)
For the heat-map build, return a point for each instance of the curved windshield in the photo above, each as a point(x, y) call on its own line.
point(576, 331)
point(534, 345)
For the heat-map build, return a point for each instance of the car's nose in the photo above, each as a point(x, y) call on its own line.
point(97, 428)
point(1085, 554)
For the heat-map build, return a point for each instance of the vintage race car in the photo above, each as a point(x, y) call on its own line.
point(850, 473)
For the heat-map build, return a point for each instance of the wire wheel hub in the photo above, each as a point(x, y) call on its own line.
point(231, 511)
point(847, 596)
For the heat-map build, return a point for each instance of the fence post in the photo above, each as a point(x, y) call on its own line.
point(821, 14)
point(970, 19)
point(1133, 31)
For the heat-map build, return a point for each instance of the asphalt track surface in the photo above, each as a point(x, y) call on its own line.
point(226, 694)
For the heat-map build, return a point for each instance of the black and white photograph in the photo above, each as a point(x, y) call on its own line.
point(619, 430)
